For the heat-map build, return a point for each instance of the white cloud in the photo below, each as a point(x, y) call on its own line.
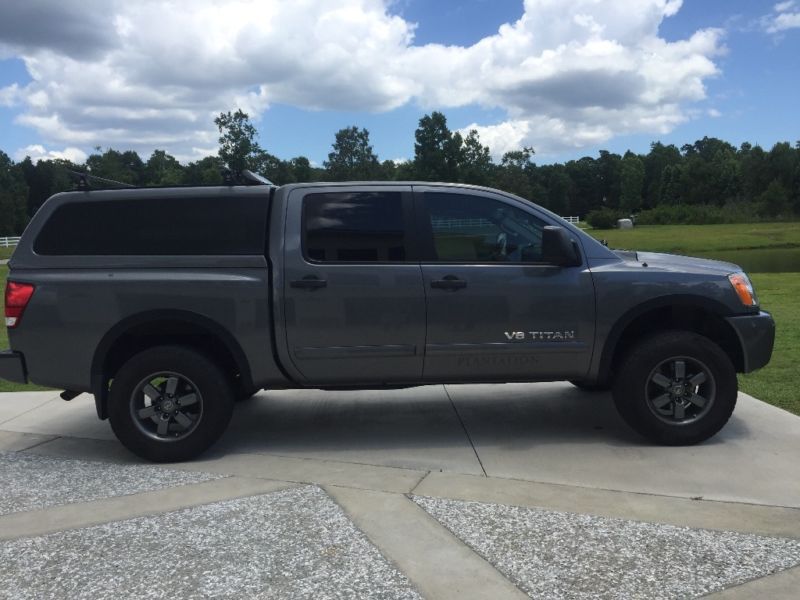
point(566, 74)
point(37, 152)
point(9, 95)
point(784, 16)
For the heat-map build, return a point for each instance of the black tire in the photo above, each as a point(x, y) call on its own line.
point(144, 414)
point(591, 387)
point(676, 388)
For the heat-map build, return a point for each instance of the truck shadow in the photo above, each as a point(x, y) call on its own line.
point(432, 425)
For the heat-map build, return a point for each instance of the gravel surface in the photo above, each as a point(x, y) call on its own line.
point(295, 543)
point(30, 482)
point(553, 554)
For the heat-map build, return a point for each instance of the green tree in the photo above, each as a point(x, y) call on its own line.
point(609, 167)
point(475, 166)
point(631, 183)
point(437, 151)
point(125, 167)
point(13, 197)
point(352, 157)
point(302, 170)
point(206, 171)
point(514, 172)
point(774, 201)
point(162, 169)
point(238, 147)
point(656, 162)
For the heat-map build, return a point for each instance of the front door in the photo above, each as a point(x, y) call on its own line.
point(495, 310)
point(355, 307)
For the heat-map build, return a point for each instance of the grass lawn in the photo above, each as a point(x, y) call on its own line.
point(778, 383)
point(5, 253)
point(688, 239)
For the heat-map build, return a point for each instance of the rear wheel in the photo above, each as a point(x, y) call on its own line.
point(169, 403)
point(676, 388)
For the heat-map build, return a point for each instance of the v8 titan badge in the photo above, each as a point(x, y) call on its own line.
point(540, 336)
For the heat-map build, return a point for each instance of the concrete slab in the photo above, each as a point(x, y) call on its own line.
point(413, 428)
point(553, 432)
point(685, 512)
point(77, 418)
point(283, 468)
point(553, 554)
point(234, 549)
point(12, 441)
point(437, 562)
point(309, 470)
point(550, 432)
point(14, 404)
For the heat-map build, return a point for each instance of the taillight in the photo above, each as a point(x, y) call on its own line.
point(17, 297)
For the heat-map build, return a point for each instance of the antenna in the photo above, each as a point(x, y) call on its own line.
point(83, 180)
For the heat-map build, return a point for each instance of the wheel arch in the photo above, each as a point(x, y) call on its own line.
point(151, 328)
point(700, 315)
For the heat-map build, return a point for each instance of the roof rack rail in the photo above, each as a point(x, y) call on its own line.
point(83, 180)
point(255, 178)
point(244, 177)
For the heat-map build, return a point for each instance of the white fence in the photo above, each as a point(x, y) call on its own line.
point(5, 242)
point(574, 220)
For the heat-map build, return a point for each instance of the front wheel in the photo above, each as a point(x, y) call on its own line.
point(676, 388)
point(169, 403)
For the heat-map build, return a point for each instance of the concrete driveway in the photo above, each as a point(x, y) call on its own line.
point(443, 491)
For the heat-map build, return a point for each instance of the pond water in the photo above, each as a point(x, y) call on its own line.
point(763, 260)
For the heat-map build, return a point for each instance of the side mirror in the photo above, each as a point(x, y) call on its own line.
point(558, 248)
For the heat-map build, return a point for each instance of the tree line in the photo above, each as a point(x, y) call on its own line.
point(707, 181)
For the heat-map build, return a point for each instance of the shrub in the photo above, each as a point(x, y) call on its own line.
point(602, 218)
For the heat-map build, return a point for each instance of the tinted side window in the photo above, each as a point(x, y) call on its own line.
point(354, 227)
point(157, 226)
point(469, 228)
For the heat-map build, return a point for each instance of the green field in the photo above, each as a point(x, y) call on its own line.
point(779, 381)
point(693, 239)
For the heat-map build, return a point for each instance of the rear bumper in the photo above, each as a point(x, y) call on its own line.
point(12, 366)
point(756, 336)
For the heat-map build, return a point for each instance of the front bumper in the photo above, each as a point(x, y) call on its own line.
point(756, 336)
point(12, 366)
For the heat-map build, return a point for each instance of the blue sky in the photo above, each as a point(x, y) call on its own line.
point(743, 86)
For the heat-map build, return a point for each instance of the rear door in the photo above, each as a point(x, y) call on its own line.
point(495, 310)
point(355, 306)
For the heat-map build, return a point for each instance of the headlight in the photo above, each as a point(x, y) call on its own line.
point(743, 288)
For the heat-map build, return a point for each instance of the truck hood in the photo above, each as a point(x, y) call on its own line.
point(678, 262)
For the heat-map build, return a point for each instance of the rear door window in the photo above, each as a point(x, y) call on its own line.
point(349, 227)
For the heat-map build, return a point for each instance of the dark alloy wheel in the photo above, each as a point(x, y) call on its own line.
point(680, 390)
point(169, 403)
point(676, 388)
point(166, 406)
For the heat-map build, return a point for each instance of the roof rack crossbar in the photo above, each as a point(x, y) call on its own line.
point(83, 180)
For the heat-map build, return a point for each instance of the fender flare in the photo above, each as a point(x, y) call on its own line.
point(192, 319)
point(683, 300)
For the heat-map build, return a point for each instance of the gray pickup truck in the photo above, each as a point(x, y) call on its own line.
point(167, 304)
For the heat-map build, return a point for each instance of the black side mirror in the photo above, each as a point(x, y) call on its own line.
point(558, 248)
